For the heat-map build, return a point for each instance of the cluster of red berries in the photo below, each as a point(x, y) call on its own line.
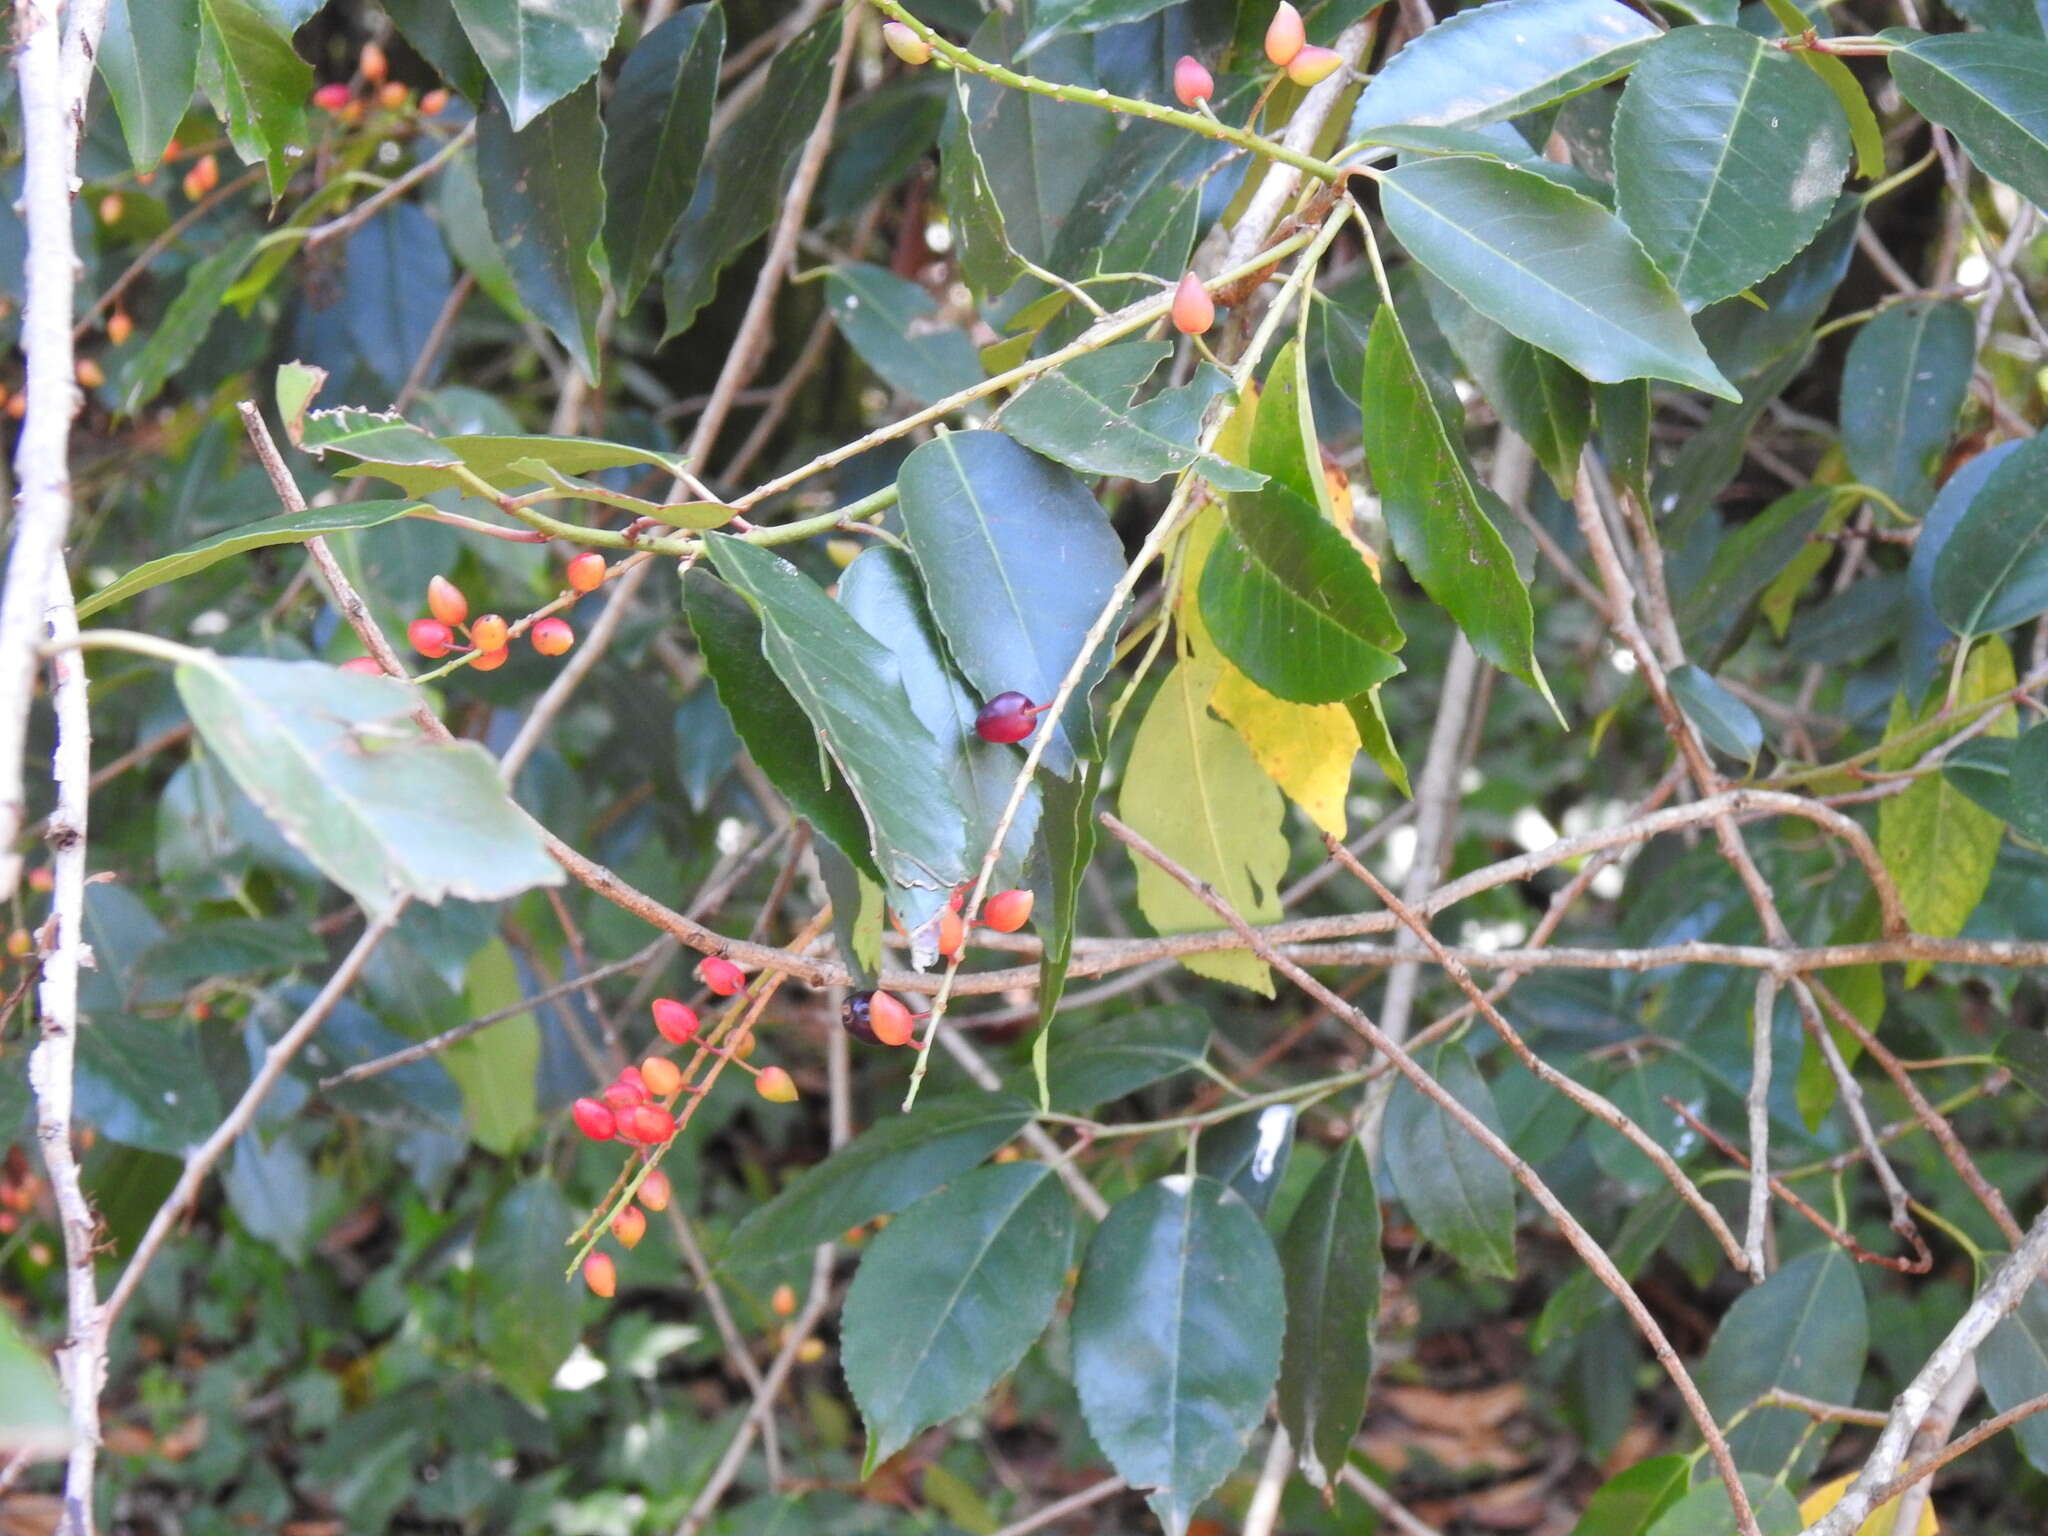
point(371, 68)
point(490, 635)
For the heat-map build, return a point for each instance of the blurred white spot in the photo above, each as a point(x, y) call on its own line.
point(1608, 883)
point(1622, 660)
point(581, 1371)
point(1532, 829)
point(732, 835)
point(211, 622)
point(1276, 1128)
point(1398, 854)
point(1973, 269)
point(938, 237)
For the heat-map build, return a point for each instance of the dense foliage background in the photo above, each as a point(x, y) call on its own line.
point(1598, 549)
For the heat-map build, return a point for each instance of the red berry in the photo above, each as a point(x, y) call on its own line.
point(775, 1085)
point(1313, 65)
point(675, 1022)
point(446, 602)
point(1007, 911)
point(906, 44)
point(1191, 82)
point(892, 1023)
point(586, 572)
point(490, 632)
point(601, 1275)
point(1193, 310)
point(490, 661)
point(1007, 717)
point(952, 934)
point(629, 1077)
point(629, 1226)
point(551, 637)
point(649, 1123)
point(371, 64)
point(430, 637)
point(365, 666)
point(655, 1191)
point(720, 975)
point(594, 1119)
point(662, 1076)
point(434, 102)
point(623, 1098)
point(331, 97)
point(1285, 35)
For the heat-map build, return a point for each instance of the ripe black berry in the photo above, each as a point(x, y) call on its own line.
point(853, 1017)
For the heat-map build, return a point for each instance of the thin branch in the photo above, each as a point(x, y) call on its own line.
point(1762, 1015)
point(1384, 1504)
point(348, 223)
point(1961, 1446)
point(1059, 1509)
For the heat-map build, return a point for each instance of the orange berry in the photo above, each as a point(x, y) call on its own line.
point(906, 44)
point(110, 208)
point(41, 880)
point(629, 1226)
point(17, 406)
point(446, 602)
point(891, 1021)
point(662, 1076)
point(490, 661)
point(952, 934)
point(1192, 83)
point(19, 945)
point(488, 633)
point(1193, 310)
point(601, 1275)
point(586, 572)
point(720, 975)
point(430, 637)
point(783, 1302)
point(655, 1191)
point(1285, 35)
point(434, 102)
point(371, 64)
point(393, 97)
point(119, 327)
point(194, 185)
point(775, 1085)
point(1007, 911)
point(90, 374)
point(552, 637)
point(207, 169)
point(1313, 65)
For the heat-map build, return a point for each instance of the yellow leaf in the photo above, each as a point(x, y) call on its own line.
point(1307, 749)
point(1879, 1523)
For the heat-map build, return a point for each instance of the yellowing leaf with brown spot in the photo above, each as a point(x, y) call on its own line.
point(1878, 1523)
point(1307, 749)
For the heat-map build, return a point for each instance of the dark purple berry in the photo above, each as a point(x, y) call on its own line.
point(1007, 717)
point(853, 1017)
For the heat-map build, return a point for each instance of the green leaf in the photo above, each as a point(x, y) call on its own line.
point(1370, 718)
point(1903, 385)
point(1177, 1325)
point(496, 1071)
point(888, 322)
point(950, 1296)
point(338, 764)
point(2013, 1363)
point(436, 35)
point(2027, 804)
point(1803, 1331)
point(778, 734)
point(1497, 61)
point(255, 81)
point(1581, 1299)
point(1081, 415)
point(1115, 1058)
point(1629, 1503)
point(32, 1418)
point(1993, 571)
point(1716, 610)
point(1056, 18)
point(149, 57)
point(881, 591)
point(1937, 843)
point(1539, 398)
point(273, 1191)
point(851, 690)
point(858, 907)
point(185, 324)
point(894, 1162)
point(1705, 1510)
point(1729, 725)
point(1460, 1196)
point(1436, 510)
point(1747, 342)
point(1621, 414)
point(546, 207)
point(288, 528)
point(506, 463)
point(2008, 778)
point(1331, 1258)
point(1018, 562)
point(1066, 831)
point(1551, 266)
point(143, 1084)
point(986, 260)
point(1194, 790)
point(657, 124)
point(1639, 1090)
point(524, 1325)
point(2024, 1053)
point(539, 51)
point(1249, 1154)
point(742, 183)
point(1728, 154)
point(1991, 92)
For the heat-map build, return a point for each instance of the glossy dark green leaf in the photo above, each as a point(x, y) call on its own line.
point(1621, 414)
point(1331, 1258)
point(1728, 155)
point(1629, 1503)
point(1991, 92)
point(1497, 61)
point(1639, 1091)
point(742, 182)
point(880, 589)
point(273, 1192)
point(858, 908)
point(888, 321)
point(255, 80)
point(185, 324)
point(1114, 1058)
point(1993, 572)
point(778, 734)
point(522, 1325)
point(546, 206)
point(1551, 266)
point(230, 946)
point(1177, 1326)
point(1435, 508)
point(1903, 385)
point(1745, 339)
point(1056, 18)
point(1687, 485)
point(1729, 725)
point(1539, 398)
point(436, 34)
point(142, 1083)
point(1715, 610)
point(1018, 562)
point(950, 1296)
point(288, 528)
point(657, 124)
point(1457, 1192)
point(1804, 1331)
point(1705, 1510)
point(1082, 415)
point(2008, 778)
point(1926, 635)
point(1248, 1154)
point(337, 763)
point(2023, 1052)
point(538, 54)
point(1066, 831)
point(32, 1421)
point(986, 260)
point(1582, 1297)
point(149, 57)
point(2013, 1363)
point(897, 1160)
point(507, 463)
point(851, 689)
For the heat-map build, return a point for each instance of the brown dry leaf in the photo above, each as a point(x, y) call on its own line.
point(1459, 1413)
point(30, 1514)
point(128, 1440)
point(185, 1439)
point(1396, 1449)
